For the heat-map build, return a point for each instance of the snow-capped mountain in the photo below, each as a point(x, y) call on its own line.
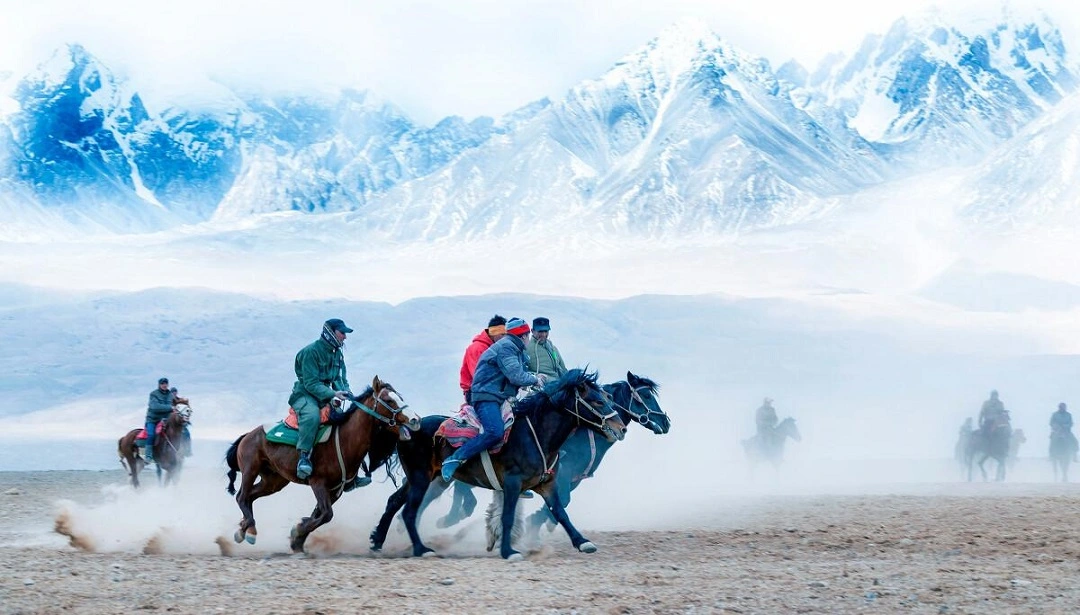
point(687, 135)
point(930, 92)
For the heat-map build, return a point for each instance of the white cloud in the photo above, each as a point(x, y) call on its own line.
point(469, 57)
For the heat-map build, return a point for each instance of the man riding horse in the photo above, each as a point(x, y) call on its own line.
point(1061, 424)
point(992, 415)
point(766, 420)
point(158, 408)
point(320, 378)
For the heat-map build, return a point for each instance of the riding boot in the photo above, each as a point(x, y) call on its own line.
point(359, 481)
point(303, 467)
point(449, 466)
point(148, 454)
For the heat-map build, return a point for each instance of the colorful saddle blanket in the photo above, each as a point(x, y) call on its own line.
point(465, 425)
point(292, 420)
point(282, 433)
point(157, 432)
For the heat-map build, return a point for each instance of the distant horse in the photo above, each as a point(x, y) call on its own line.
point(1062, 452)
point(375, 417)
point(992, 441)
point(1015, 441)
point(543, 421)
point(771, 447)
point(167, 448)
point(634, 399)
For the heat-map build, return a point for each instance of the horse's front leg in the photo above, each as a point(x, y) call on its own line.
point(511, 493)
point(550, 494)
point(323, 513)
point(393, 505)
point(419, 481)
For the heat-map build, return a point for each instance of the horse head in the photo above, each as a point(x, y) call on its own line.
point(641, 404)
point(181, 414)
point(578, 394)
point(390, 407)
point(787, 428)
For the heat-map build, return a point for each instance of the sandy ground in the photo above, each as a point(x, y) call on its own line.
point(977, 548)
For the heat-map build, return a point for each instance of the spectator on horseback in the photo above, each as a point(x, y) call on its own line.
point(320, 378)
point(500, 371)
point(495, 330)
point(766, 420)
point(1061, 422)
point(544, 357)
point(160, 406)
point(993, 413)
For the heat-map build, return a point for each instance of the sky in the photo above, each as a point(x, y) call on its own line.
point(433, 59)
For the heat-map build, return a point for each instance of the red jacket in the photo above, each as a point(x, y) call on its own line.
point(479, 344)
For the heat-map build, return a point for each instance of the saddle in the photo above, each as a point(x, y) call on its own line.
point(157, 432)
point(465, 425)
point(293, 420)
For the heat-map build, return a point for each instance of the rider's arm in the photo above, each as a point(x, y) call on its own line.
point(511, 367)
point(157, 405)
point(309, 378)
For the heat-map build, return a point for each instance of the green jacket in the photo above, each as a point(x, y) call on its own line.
point(320, 370)
point(545, 359)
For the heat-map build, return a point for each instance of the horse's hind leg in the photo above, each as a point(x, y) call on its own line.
point(323, 513)
point(551, 497)
point(419, 482)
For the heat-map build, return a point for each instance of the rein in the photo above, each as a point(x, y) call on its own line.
point(375, 413)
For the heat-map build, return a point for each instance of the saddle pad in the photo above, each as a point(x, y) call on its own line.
point(292, 420)
point(465, 425)
point(280, 433)
point(142, 432)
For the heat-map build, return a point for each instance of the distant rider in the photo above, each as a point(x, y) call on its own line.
point(1061, 422)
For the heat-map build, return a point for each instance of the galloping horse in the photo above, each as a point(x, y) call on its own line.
point(375, 418)
point(166, 453)
point(1062, 450)
point(991, 442)
point(634, 399)
point(543, 421)
point(771, 448)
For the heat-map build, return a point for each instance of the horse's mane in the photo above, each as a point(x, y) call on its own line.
point(367, 391)
point(555, 393)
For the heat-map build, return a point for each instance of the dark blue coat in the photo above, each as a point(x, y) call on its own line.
point(501, 371)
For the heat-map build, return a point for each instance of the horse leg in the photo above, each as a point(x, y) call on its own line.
point(323, 513)
point(420, 481)
point(393, 505)
point(550, 493)
point(249, 492)
point(511, 493)
point(456, 513)
point(435, 489)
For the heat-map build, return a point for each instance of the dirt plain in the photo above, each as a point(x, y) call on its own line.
point(964, 549)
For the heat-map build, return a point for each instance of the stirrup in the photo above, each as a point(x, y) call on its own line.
point(304, 467)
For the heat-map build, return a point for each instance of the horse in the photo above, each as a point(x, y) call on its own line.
point(771, 448)
point(991, 441)
point(167, 454)
point(1015, 440)
point(1062, 451)
point(375, 417)
point(635, 401)
point(543, 422)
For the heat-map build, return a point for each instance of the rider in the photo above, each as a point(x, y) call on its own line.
point(320, 377)
point(160, 406)
point(544, 357)
point(482, 341)
point(992, 413)
point(1061, 421)
point(766, 420)
point(499, 373)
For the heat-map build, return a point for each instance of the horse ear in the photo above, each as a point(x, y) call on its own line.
point(630, 377)
point(376, 384)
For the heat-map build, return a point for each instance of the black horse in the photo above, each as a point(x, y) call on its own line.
point(990, 441)
point(1062, 451)
point(542, 423)
point(634, 399)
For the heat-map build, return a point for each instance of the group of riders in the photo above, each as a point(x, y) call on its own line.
point(994, 420)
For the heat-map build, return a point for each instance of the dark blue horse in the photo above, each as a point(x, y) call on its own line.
point(542, 423)
point(635, 399)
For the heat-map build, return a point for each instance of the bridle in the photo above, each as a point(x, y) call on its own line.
point(389, 421)
point(601, 423)
point(635, 397)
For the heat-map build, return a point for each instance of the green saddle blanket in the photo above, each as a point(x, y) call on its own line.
point(280, 433)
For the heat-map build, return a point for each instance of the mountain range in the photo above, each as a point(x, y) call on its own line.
point(687, 135)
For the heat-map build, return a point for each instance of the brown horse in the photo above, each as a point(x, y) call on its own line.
point(166, 452)
point(377, 415)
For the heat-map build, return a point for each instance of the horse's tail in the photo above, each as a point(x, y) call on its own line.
point(233, 460)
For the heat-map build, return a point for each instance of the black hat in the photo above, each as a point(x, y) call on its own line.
point(541, 324)
point(337, 324)
point(163, 380)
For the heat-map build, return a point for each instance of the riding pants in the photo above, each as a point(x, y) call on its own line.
point(490, 415)
point(307, 417)
point(151, 429)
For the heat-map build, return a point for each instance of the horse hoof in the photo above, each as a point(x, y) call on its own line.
point(515, 557)
point(250, 538)
point(238, 537)
point(428, 554)
point(587, 547)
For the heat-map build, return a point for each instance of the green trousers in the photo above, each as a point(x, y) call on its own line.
point(307, 414)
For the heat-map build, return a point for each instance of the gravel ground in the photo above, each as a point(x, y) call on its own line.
point(937, 549)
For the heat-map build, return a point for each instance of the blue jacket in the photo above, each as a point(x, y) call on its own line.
point(1061, 419)
point(160, 405)
point(501, 371)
